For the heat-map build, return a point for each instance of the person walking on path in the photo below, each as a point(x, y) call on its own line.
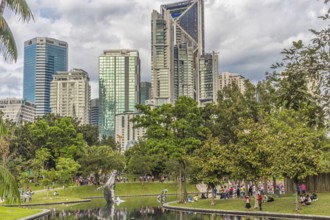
point(247, 203)
point(260, 201)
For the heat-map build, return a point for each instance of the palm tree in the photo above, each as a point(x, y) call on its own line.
point(8, 185)
point(7, 41)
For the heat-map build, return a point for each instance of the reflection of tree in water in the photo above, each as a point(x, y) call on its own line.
point(109, 212)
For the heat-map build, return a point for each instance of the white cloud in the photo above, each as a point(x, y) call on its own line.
point(248, 34)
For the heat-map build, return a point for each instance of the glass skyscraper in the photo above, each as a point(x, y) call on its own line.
point(177, 42)
point(42, 58)
point(119, 86)
point(145, 92)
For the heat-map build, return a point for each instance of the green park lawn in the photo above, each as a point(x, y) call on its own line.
point(284, 204)
point(9, 213)
point(76, 193)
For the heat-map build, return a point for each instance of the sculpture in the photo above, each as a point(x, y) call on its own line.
point(109, 188)
point(162, 196)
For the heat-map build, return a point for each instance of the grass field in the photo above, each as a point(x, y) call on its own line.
point(285, 204)
point(9, 213)
point(122, 189)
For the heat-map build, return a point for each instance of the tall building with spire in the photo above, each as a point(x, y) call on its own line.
point(43, 57)
point(119, 87)
point(177, 44)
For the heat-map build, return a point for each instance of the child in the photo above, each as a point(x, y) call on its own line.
point(247, 203)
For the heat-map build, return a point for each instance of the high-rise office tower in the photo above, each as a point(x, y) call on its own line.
point(207, 79)
point(42, 58)
point(177, 42)
point(94, 113)
point(145, 92)
point(119, 82)
point(71, 94)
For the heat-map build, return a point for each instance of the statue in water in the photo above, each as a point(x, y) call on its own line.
point(162, 196)
point(109, 188)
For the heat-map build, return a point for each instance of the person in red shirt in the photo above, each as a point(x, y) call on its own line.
point(259, 201)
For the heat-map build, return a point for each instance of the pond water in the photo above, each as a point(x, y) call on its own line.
point(143, 208)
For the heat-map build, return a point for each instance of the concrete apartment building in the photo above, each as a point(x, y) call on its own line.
point(71, 94)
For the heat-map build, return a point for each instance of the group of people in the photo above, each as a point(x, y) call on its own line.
point(236, 190)
point(305, 199)
point(248, 202)
point(192, 199)
point(25, 196)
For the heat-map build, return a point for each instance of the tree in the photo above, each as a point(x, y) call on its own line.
point(90, 134)
point(303, 76)
point(174, 131)
point(140, 164)
point(7, 41)
point(8, 185)
point(100, 160)
point(298, 149)
point(4, 142)
point(212, 162)
point(60, 137)
point(66, 169)
point(108, 141)
point(232, 106)
point(40, 164)
point(253, 152)
point(141, 161)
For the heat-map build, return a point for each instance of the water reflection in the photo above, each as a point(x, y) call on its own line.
point(143, 213)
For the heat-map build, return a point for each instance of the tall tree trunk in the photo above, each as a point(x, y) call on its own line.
point(274, 185)
point(212, 198)
point(183, 181)
point(297, 196)
point(185, 194)
point(246, 187)
point(265, 185)
point(207, 190)
point(180, 185)
point(255, 194)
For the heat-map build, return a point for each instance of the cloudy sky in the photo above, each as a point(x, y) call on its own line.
point(248, 34)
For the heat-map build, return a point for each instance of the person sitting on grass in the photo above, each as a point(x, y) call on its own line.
point(195, 198)
point(307, 201)
point(314, 197)
point(270, 199)
point(302, 199)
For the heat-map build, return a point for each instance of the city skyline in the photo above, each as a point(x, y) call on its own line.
point(248, 38)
